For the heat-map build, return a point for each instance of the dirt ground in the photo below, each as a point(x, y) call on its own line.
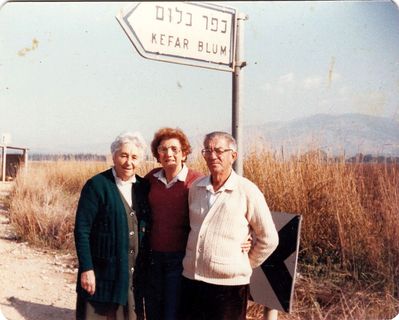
point(34, 284)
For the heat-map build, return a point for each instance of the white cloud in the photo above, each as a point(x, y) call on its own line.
point(280, 90)
point(287, 78)
point(336, 76)
point(272, 89)
point(371, 102)
point(312, 82)
point(267, 87)
point(343, 91)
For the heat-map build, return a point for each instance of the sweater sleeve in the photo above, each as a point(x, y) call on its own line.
point(85, 215)
point(261, 223)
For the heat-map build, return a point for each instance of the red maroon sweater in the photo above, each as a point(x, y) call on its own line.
point(169, 212)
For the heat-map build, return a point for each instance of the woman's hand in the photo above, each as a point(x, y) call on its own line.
point(88, 281)
point(246, 246)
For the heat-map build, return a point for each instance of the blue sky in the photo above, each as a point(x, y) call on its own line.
point(70, 79)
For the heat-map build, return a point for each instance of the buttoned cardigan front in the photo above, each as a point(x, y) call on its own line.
point(102, 236)
point(213, 252)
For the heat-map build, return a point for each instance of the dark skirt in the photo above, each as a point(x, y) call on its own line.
point(88, 310)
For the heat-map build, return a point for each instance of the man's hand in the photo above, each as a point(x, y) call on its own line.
point(88, 281)
point(247, 245)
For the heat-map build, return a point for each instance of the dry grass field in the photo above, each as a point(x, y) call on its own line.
point(349, 251)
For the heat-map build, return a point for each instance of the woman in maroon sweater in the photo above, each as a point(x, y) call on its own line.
point(168, 199)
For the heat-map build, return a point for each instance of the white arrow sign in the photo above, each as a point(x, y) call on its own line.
point(198, 34)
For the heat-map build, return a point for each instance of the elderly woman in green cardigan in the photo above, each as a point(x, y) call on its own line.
point(110, 232)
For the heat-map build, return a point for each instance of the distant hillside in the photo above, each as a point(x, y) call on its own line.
point(347, 134)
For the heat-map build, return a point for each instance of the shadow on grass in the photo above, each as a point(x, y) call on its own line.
point(36, 311)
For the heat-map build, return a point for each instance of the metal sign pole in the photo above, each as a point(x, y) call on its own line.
point(4, 163)
point(269, 314)
point(236, 92)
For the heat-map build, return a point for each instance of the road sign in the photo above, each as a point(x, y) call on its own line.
point(272, 284)
point(191, 33)
point(5, 138)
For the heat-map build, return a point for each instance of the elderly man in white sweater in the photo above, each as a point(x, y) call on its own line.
point(224, 209)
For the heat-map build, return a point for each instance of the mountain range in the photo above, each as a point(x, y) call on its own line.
point(337, 135)
point(344, 134)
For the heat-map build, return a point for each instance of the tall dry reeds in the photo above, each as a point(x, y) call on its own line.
point(349, 251)
point(350, 226)
point(44, 200)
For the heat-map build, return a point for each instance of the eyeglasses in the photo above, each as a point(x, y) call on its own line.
point(218, 151)
point(164, 150)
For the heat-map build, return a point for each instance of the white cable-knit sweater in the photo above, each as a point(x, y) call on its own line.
point(213, 252)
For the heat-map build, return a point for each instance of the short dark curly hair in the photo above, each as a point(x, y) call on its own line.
point(170, 133)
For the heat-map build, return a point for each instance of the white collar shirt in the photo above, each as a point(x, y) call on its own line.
point(125, 187)
point(181, 176)
point(211, 194)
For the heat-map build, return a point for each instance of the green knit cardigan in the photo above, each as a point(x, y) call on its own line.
point(102, 239)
